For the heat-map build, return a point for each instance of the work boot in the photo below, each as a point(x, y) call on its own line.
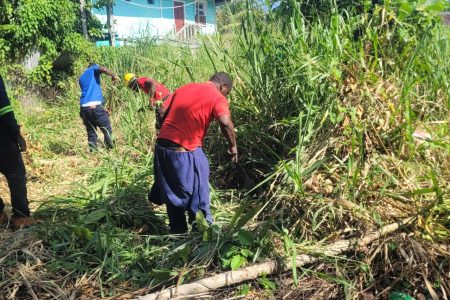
point(21, 222)
point(3, 218)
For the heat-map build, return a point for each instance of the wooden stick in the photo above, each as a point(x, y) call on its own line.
point(270, 267)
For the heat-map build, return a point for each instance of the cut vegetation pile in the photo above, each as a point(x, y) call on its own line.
point(342, 119)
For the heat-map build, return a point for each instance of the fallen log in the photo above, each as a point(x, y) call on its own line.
point(270, 267)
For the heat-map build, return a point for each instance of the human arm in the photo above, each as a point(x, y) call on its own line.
point(8, 121)
point(165, 105)
point(108, 72)
point(161, 111)
point(150, 85)
point(227, 128)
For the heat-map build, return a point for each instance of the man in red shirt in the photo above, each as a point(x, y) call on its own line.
point(181, 168)
point(157, 91)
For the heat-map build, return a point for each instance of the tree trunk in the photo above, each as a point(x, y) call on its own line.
point(110, 24)
point(83, 18)
point(252, 272)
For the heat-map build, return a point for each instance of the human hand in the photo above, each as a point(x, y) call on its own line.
point(21, 143)
point(115, 78)
point(234, 154)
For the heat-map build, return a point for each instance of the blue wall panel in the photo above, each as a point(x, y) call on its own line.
point(211, 12)
point(164, 8)
point(134, 8)
point(167, 12)
point(189, 10)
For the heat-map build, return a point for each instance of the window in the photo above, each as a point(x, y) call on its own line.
point(200, 12)
point(151, 1)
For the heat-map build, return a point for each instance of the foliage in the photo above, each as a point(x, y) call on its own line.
point(94, 26)
point(229, 15)
point(31, 21)
point(325, 102)
point(42, 74)
point(44, 26)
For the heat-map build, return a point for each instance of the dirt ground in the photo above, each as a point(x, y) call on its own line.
point(47, 178)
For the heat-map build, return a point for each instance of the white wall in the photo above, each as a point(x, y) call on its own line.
point(134, 27)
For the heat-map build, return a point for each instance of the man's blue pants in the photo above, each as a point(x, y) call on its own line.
point(182, 181)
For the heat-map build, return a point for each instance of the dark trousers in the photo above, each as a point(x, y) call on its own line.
point(12, 166)
point(182, 182)
point(177, 218)
point(93, 118)
point(177, 215)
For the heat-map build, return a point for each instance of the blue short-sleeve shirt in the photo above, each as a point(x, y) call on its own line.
point(91, 91)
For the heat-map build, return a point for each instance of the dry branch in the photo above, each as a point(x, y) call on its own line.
point(270, 267)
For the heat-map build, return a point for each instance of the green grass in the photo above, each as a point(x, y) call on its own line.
point(324, 104)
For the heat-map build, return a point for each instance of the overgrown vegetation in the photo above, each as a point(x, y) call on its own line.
point(326, 102)
point(49, 29)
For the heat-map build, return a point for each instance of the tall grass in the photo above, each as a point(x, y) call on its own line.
point(325, 102)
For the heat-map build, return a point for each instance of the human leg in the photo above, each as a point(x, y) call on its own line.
point(12, 166)
point(86, 116)
point(201, 200)
point(14, 171)
point(174, 178)
point(17, 183)
point(174, 174)
point(104, 123)
point(177, 219)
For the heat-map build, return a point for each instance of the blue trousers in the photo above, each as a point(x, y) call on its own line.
point(12, 166)
point(182, 181)
point(93, 118)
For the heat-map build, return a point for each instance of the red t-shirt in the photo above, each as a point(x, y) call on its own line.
point(161, 90)
point(194, 106)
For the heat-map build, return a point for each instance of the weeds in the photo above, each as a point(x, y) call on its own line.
point(325, 103)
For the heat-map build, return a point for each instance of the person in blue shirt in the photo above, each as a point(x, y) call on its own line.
point(11, 164)
point(91, 105)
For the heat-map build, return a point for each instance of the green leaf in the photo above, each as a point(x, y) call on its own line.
point(290, 246)
point(231, 251)
point(246, 253)
point(400, 296)
point(238, 214)
point(95, 216)
point(432, 6)
point(245, 237)
point(392, 246)
point(267, 283)
point(201, 222)
point(247, 217)
point(206, 236)
point(237, 262)
point(225, 262)
point(243, 290)
point(7, 27)
point(184, 252)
